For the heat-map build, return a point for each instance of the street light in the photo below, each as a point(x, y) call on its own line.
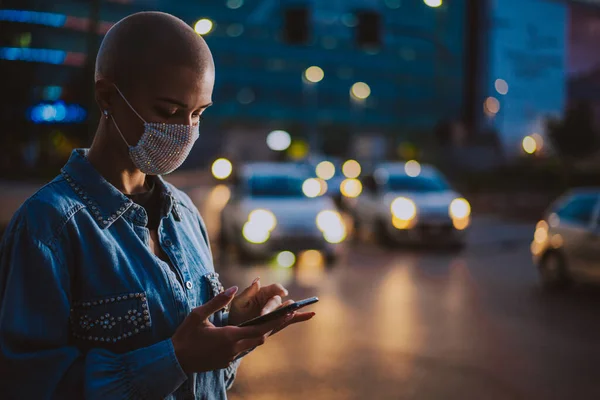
point(314, 74)
point(433, 3)
point(203, 26)
point(311, 77)
point(360, 91)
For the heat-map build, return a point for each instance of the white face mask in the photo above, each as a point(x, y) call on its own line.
point(163, 147)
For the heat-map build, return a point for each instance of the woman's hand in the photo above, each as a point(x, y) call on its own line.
point(200, 346)
point(255, 301)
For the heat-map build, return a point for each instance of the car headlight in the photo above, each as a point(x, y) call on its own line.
point(331, 224)
point(404, 209)
point(255, 233)
point(258, 228)
point(263, 218)
point(541, 232)
point(459, 209)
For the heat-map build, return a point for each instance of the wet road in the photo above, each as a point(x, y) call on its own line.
point(424, 325)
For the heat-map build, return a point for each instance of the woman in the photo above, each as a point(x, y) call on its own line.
point(107, 285)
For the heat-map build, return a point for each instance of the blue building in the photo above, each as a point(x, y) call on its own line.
point(414, 78)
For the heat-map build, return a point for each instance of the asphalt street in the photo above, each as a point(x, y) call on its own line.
point(424, 324)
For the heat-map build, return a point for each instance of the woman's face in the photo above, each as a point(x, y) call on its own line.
point(172, 94)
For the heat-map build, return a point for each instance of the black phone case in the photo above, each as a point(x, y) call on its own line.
point(277, 313)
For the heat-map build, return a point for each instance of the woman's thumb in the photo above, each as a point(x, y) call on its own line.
point(217, 303)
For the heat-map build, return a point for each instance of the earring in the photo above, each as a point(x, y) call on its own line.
point(106, 114)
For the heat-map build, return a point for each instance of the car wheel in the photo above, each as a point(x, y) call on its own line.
point(553, 271)
point(382, 235)
point(331, 260)
point(458, 246)
point(356, 230)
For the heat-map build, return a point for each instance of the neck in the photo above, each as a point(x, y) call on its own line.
point(110, 156)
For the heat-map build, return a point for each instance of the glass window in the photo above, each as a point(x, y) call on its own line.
point(419, 184)
point(578, 208)
point(275, 186)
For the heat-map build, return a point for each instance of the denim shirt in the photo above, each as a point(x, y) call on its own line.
point(86, 308)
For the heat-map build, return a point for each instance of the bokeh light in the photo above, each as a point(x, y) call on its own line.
point(393, 4)
point(402, 223)
point(298, 150)
point(412, 168)
point(529, 145)
point(351, 188)
point(460, 224)
point(314, 74)
point(279, 140)
point(311, 187)
point(360, 91)
point(311, 258)
point(403, 208)
point(286, 259)
point(254, 233)
point(541, 232)
point(222, 168)
point(501, 86)
point(234, 4)
point(324, 187)
point(539, 141)
point(246, 96)
point(460, 208)
point(351, 169)
point(491, 106)
point(235, 30)
point(332, 225)
point(325, 170)
point(203, 26)
point(263, 218)
point(433, 3)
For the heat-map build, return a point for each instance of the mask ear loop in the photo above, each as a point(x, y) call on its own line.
point(130, 106)
point(118, 129)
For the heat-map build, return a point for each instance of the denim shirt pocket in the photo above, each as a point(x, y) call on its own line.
point(111, 319)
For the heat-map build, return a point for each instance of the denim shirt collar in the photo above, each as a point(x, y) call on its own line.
point(106, 202)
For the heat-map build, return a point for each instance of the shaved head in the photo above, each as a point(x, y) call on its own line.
point(136, 48)
point(151, 67)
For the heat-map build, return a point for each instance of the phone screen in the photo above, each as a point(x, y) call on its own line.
point(280, 312)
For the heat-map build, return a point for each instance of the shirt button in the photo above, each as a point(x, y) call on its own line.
point(189, 285)
point(168, 243)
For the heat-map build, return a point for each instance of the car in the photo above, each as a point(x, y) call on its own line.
point(272, 210)
point(410, 203)
point(566, 243)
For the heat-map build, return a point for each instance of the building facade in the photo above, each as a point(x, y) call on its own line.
point(416, 76)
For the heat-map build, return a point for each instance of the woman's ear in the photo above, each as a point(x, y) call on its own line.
point(105, 91)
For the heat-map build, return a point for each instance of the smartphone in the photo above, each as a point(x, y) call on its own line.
point(280, 312)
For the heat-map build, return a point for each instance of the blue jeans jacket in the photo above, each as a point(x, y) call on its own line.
point(86, 309)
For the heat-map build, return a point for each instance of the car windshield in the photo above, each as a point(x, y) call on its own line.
point(420, 184)
point(275, 186)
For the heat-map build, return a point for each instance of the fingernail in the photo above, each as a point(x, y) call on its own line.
point(289, 316)
point(231, 291)
point(255, 280)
